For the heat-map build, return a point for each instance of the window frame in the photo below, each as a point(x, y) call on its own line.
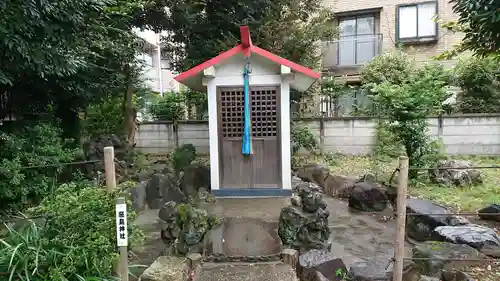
point(428, 38)
point(356, 17)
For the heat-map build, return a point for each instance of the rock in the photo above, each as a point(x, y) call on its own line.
point(427, 278)
point(481, 238)
point(368, 177)
point(320, 261)
point(295, 182)
point(304, 223)
point(455, 172)
point(138, 196)
point(290, 256)
point(421, 227)
point(165, 269)
point(491, 209)
point(163, 188)
point(93, 149)
point(339, 186)
point(381, 270)
point(315, 173)
point(368, 197)
point(310, 186)
point(455, 276)
point(433, 257)
point(194, 177)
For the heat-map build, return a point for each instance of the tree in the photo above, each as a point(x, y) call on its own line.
point(60, 57)
point(199, 30)
point(407, 106)
point(480, 21)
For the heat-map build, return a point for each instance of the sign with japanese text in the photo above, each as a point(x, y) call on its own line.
point(121, 225)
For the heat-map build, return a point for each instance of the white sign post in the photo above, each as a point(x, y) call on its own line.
point(122, 237)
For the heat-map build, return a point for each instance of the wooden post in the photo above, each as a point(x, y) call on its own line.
point(322, 134)
point(399, 240)
point(122, 238)
point(109, 168)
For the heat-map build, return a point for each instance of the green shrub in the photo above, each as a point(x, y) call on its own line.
point(78, 238)
point(34, 146)
point(183, 156)
point(104, 118)
point(479, 79)
point(302, 138)
point(169, 107)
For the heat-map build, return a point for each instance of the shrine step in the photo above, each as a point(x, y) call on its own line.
point(275, 271)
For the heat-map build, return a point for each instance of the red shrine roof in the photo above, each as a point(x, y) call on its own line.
point(190, 77)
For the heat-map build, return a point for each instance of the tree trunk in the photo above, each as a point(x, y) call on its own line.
point(129, 111)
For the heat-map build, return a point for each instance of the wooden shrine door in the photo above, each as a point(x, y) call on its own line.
point(263, 168)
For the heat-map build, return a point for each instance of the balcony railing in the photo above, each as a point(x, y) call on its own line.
point(351, 51)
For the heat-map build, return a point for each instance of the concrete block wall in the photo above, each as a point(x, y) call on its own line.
point(160, 137)
point(474, 134)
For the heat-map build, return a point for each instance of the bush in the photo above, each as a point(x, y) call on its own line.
point(302, 138)
point(78, 238)
point(394, 68)
point(479, 79)
point(34, 146)
point(407, 106)
point(183, 156)
point(169, 107)
point(104, 118)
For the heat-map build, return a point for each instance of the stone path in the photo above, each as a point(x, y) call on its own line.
point(355, 237)
point(246, 272)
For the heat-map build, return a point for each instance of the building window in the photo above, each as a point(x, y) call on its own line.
point(416, 21)
point(357, 42)
point(146, 59)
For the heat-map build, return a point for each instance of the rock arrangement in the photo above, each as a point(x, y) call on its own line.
point(94, 151)
point(364, 193)
point(443, 238)
point(185, 227)
point(304, 224)
point(160, 185)
point(456, 172)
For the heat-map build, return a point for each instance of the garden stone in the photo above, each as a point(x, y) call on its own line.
point(304, 223)
point(194, 177)
point(315, 173)
point(163, 188)
point(482, 238)
point(427, 278)
point(165, 269)
point(421, 227)
point(319, 261)
point(456, 172)
point(295, 182)
point(455, 276)
point(440, 256)
point(339, 186)
point(368, 177)
point(491, 209)
point(138, 196)
point(368, 197)
point(378, 270)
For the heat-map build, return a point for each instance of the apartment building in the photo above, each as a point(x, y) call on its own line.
point(157, 71)
point(368, 28)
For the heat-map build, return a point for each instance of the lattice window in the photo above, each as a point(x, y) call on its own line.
point(231, 107)
point(264, 113)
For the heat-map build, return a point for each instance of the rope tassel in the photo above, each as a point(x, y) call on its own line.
point(246, 148)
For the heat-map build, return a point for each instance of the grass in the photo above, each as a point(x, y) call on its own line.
point(466, 199)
